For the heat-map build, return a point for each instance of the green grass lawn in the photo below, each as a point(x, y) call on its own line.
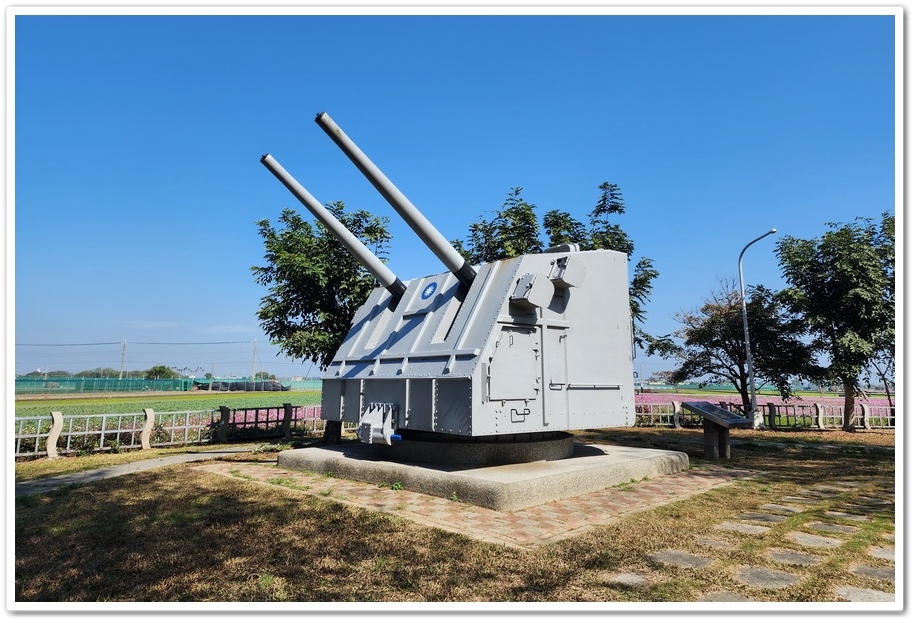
point(177, 534)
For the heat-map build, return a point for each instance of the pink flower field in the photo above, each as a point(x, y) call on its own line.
point(824, 399)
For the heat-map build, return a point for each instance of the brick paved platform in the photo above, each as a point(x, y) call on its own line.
point(527, 528)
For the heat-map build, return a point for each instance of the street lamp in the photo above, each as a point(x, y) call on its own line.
point(747, 336)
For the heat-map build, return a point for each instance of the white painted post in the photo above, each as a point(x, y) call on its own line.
point(147, 431)
point(866, 415)
point(57, 427)
point(819, 416)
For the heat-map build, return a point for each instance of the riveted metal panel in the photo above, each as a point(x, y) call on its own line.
point(514, 371)
point(332, 399)
point(452, 399)
point(418, 413)
point(555, 411)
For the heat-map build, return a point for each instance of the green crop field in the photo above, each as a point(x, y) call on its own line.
point(182, 401)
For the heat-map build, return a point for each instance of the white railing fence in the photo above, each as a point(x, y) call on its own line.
point(776, 416)
point(57, 434)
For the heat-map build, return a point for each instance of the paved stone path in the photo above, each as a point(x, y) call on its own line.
point(804, 561)
point(802, 552)
point(42, 485)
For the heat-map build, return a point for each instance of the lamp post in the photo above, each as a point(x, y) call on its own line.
point(747, 335)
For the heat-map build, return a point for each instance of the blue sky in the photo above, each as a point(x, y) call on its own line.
point(137, 143)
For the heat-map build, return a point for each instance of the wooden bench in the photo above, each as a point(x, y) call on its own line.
point(716, 425)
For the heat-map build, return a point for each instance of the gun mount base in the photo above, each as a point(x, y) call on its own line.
point(490, 451)
point(506, 487)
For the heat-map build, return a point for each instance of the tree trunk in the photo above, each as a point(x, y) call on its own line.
point(887, 391)
point(745, 394)
point(849, 405)
point(746, 401)
point(884, 381)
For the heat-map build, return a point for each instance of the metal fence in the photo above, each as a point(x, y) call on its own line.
point(182, 428)
point(58, 434)
point(55, 434)
point(106, 431)
point(814, 416)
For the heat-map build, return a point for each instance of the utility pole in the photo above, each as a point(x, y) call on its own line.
point(758, 420)
point(123, 350)
point(254, 354)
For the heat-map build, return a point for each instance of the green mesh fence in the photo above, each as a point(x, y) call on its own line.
point(83, 385)
point(303, 384)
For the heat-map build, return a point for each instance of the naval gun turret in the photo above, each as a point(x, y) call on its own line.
point(517, 349)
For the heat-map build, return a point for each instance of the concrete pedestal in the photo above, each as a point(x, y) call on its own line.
point(716, 443)
point(503, 487)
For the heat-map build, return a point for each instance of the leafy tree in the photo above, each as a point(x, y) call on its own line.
point(562, 228)
point(842, 284)
point(315, 286)
point(604, 234)
point(160, 372)
point(514, 231)
point(263, 375)
point(713, 344)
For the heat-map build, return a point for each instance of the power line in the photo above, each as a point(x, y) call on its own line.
point(145, 343)
point(87, 344)
point(186, 343)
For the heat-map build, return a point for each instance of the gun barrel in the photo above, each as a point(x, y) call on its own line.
point(353, 244)
point(437, 243)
